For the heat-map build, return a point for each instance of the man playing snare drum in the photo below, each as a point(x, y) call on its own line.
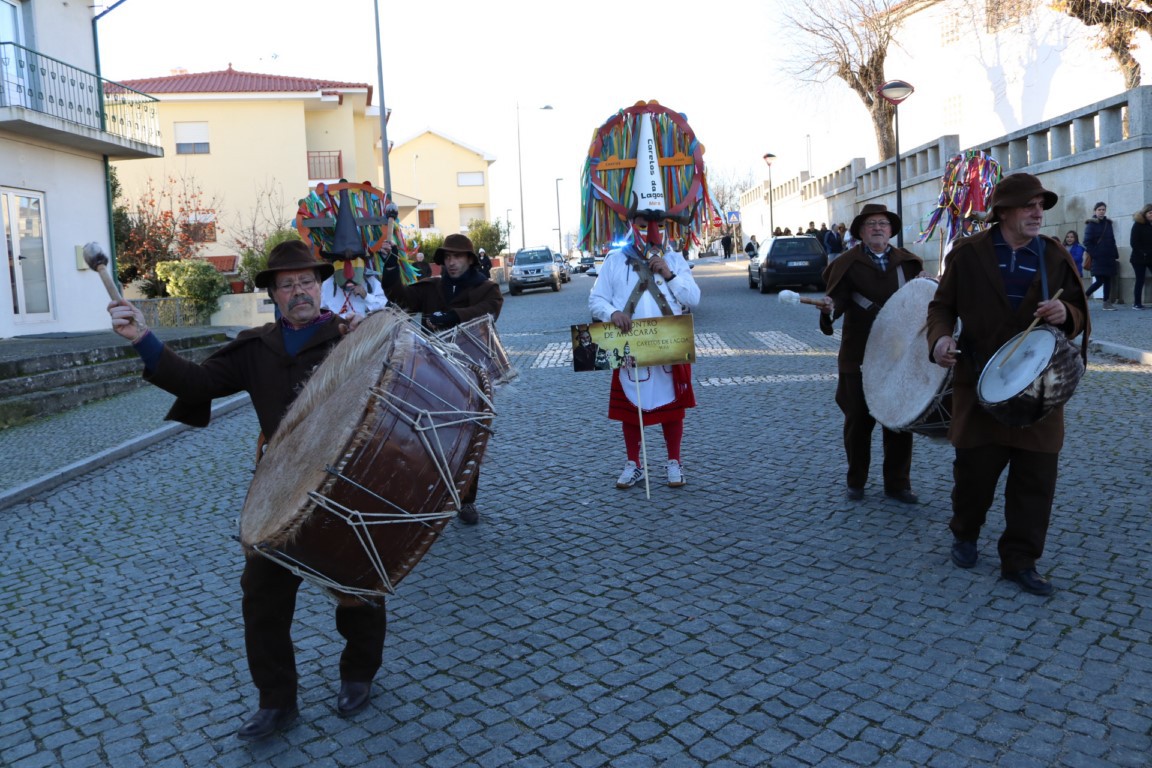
point(997, 282)
point(858, 283)
point(271, 363)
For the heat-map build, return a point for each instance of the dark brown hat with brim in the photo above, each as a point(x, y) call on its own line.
point(291, 255)
point(454, 244)
point(1015, 191)
point(871, 210)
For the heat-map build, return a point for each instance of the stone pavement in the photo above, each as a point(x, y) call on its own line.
point(750, 618)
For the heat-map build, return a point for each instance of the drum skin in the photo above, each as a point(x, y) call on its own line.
point(348, 444)
point(905, 391)
point(1039, 376)
point(478, 341)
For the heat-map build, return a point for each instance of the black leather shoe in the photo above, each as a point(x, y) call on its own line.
point(904, 496)
point(266, 722)
point(353, 697)
point(964, 553)
point(1031, 581)
point(854, 494)
point(468, 514)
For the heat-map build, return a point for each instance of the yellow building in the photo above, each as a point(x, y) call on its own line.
point(255, 144)
point(448, 177)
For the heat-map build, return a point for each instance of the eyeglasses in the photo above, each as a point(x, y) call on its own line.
point(304, 284)
point(877, 223)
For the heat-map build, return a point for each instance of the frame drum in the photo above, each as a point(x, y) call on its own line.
point(1039, 376)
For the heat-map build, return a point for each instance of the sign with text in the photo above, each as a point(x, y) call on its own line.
point(652, 341)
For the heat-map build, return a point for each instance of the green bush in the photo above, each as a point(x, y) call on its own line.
point(195, 281)
point(253, 262)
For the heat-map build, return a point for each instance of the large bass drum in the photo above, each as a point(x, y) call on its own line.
point(367, 466)
point(1023, 386)
point(905, 391)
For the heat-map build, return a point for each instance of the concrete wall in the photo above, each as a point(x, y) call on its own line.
point(1099, 152)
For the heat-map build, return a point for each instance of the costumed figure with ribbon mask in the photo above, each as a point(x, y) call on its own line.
point(859, 282)
point(997, 282)
point(354, 289)
point(644, 180)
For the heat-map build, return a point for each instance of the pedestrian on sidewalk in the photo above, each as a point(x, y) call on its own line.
point(1031, 267)
point(1141, 259)
point(1072, 243)
point(271, 364)
point(726, 244)
point(859, 283)
point(1100, 242)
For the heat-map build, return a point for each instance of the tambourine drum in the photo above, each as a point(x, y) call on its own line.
point(367, 466)
point(480, 343)
point(905, 391)
point(1039, 376)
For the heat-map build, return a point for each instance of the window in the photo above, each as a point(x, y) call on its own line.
point(191, 138)
point(470, 179)
point(427, 219)
point(468, 213)
point(200, 227)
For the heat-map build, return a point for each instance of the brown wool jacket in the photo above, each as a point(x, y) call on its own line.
point(972, 289)
point(426, 296)
point(854, 272)
point(255, 362)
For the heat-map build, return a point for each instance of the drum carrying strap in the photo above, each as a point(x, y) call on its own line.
point(867, 304)
point(1044, 297)
point(646, 283)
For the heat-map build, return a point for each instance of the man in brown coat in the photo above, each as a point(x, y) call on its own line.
point(271, 363)
point(858, 283)
point(461, 293)
point(996, 282)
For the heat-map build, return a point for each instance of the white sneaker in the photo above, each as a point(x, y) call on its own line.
point(631, 475)
point(675, 474)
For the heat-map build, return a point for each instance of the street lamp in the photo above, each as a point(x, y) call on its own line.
point(768, 158)
point(559, 231)
point(520, 167)
point(508, 227)
point(894, 92)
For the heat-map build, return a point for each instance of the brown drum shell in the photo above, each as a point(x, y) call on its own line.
point(1053, 387)
point(374, 464)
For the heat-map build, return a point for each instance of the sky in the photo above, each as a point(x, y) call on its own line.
point(472, 70)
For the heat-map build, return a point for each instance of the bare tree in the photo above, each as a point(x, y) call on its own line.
point(849, 39)
point(1119, 21)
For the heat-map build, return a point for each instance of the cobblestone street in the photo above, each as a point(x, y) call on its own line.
point(753, 617)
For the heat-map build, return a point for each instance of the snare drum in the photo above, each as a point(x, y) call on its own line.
point(1039, 376)
point(480, 343)
point(905, 391)
point(368, 465)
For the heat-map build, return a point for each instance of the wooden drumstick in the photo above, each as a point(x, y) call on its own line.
point(97, 260)
point(1028, 330)
point(791, 297)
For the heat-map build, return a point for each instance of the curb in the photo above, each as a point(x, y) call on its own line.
point(32, 488)
point(1119, 350)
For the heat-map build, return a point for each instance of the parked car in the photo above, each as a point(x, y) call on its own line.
point(565, 270)
point(534, 268)
point(788, 261)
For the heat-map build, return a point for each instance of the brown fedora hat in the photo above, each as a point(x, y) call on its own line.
point(454, 244)
point(1015, 191)
point(290, 255)
point(871, 209)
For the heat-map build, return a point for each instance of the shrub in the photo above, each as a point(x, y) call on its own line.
point(195, 281)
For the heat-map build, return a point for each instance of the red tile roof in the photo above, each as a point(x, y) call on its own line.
point(231, 81)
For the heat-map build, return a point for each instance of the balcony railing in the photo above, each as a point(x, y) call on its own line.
point(325, 165)
point(43, 84)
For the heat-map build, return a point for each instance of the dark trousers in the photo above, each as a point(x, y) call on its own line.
point(1028, 495)
point(1138, 292)
point(858, 425)
point(269, 602)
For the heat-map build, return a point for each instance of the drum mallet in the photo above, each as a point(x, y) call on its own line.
point(1028, 330)
point(791, 297)
point(97, 260)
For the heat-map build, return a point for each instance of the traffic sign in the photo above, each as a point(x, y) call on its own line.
point(717, 221)
point(733, 217)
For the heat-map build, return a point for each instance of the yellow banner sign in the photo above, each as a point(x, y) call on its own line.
point(652, 341)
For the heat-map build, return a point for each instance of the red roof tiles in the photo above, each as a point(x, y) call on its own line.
point(231, 81)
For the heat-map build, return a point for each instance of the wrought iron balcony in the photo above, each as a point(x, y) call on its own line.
point(89, 112)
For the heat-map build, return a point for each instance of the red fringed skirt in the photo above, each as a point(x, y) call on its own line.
point(620, 408)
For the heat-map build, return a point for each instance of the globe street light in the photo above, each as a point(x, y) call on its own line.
point(768, 158)
point(520, 166)
point(894, 92)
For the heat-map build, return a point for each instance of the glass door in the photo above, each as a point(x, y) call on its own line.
point(13, 67)
point(23, 218)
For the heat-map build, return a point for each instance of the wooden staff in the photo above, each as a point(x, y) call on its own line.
point(640, 415)
point(1028, 330)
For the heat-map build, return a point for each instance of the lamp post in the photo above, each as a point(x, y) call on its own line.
point(520, 168)
point(559, 231)
point(768, 158)
point(508, 227)
point(894, 92)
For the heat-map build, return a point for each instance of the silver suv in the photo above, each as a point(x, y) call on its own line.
point(533, 268)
